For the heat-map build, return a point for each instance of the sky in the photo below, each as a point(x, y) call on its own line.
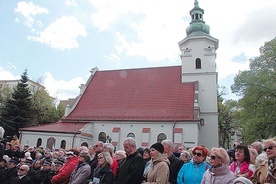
point(59, 42)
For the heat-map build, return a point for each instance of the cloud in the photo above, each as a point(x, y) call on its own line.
point(28, 10)
point(71, 3)
point(61, 89)
point(240, 58)
point(6, 75)
point(147, 27)
point(62, 34)
point(10, 65)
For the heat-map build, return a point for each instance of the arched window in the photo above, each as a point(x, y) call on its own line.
point(63, 144)
point(51, 143)
point(131, 135)
point(161, 137)
point(38, 142)
point(84, 144)
point(198, 63)
point(102, 137)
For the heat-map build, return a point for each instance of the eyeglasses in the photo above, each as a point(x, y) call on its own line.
point(21, 169)
point(197, 154)
point(213, 157)
point(269, 147)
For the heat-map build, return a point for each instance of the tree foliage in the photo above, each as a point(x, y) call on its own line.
point(257, 87)
point(44, 108)
point(227, 121)
point(17, 110)
point(20, 108)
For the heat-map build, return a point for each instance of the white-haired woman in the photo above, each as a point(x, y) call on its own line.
point(103, 173)
point(219, 171)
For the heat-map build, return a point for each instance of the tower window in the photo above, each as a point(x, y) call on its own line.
point(198, 63)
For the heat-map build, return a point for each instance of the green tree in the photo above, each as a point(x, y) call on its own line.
point(16, 111)
point(226, 120)
point(44, 108)
point(258, 90)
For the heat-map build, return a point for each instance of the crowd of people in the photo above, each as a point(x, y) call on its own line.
point(161, 163)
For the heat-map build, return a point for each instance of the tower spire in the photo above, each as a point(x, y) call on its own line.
point(197, 25)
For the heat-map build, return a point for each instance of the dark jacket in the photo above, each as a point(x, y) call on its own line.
point(24, 180)
point(131, 171)
point(93, 163)
point(43, 177)
point(175, 166)
point(104, 174)
point(9, 174)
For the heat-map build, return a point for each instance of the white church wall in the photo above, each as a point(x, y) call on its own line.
point(31, 138)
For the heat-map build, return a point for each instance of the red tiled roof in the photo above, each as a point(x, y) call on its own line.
point(149, 94)
point(64, 127)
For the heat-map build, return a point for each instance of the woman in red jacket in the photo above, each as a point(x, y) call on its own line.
point(241, 166)
point(64, 173)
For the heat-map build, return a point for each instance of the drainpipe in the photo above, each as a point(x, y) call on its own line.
point(74, 139)
point(174, 123)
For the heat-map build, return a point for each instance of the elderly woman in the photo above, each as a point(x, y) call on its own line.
point(159, 168)
point(193, 171)
point(185, 156)
point(266, 173)
point(219, 172)
point(241, 166)
point(103, 173)
point(82, 171)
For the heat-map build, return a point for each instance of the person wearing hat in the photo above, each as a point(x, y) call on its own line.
point(159, 168)
point(82, 171)
point(58, 165)
point(11, 172)
point(31, 173)
point(45, 174)
point(64, 173)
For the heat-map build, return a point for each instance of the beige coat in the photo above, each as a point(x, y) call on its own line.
point(159, 170)
point(261, 176)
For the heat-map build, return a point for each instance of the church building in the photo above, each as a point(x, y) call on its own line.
point(149, 104)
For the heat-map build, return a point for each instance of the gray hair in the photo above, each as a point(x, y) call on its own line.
point(169, 143)
point(25, 167)
point(109, 146)
point(187, 154)
point(121, 152)
point(130, 141)
point(107, 157)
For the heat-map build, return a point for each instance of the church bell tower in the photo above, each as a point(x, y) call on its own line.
point(198, 55)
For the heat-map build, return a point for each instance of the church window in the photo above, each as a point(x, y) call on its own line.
point(131, 135)
point(51, 143)
point(198, 63)
point(102, 137)
point(161, 137)
point(63, 144)
point(38, 142)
